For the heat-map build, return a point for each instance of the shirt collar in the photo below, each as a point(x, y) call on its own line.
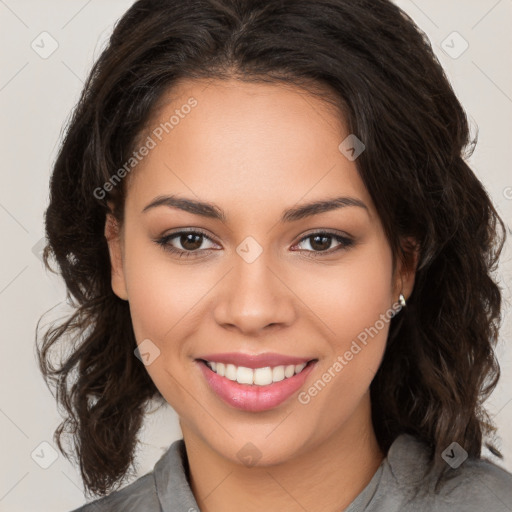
point(173, 488)
point(175, 494)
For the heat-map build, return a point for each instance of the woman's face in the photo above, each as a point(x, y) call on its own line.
point(257, 281)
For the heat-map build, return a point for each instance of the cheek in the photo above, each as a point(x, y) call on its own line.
point(162, 294)
point(339, 304)
point(351, 296)
point(164, 307)
point(346, 297)
point(353, 301)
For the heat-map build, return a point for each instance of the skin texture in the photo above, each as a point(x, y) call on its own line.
point(256, 150)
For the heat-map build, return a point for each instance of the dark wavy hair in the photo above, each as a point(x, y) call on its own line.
point(378, 67)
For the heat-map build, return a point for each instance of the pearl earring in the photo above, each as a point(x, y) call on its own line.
point(401, 300)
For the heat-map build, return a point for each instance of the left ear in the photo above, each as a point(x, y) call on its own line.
point(113, 236)
point(406, 270)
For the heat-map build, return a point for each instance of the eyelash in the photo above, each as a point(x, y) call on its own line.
point(345, 243)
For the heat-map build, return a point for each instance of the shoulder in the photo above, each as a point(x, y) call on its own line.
point(474, 485)
point(166, 487)
point(139, 495)
point(479, 484)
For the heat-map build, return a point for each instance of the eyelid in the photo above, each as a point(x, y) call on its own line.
point(345, 241)
point(307, 234)
point(164, 242)
point(333, 232)
point(179, 231)
point(193, 230)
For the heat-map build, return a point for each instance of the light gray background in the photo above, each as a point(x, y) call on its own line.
point(36, 97)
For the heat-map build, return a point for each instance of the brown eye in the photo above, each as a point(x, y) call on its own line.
point(188, 243)
point(191, 241)
point(321, 243)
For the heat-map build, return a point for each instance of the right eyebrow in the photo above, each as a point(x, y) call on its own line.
point(211, 210)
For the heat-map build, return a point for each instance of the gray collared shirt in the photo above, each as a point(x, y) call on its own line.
point(399, 485)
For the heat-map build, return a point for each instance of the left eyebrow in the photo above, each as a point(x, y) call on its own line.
point(314, 208)
point(213, 211)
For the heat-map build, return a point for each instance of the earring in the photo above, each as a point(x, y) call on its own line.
point(401, 300)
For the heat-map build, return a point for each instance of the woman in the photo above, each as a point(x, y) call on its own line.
point(263, 214)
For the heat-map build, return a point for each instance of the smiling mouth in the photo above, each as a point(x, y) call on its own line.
point(263, 376)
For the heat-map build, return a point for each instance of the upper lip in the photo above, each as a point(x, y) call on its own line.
point(255, 360)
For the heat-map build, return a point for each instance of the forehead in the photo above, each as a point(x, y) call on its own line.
point(252, 144)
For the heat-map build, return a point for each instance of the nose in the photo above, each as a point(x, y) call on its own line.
point(254, 297)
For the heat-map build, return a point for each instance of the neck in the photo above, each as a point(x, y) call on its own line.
point(327, 477)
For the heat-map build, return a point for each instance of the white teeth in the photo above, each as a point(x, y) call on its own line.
point(244, 375)
point(299, 367)
point(278, 373)
point(230, 372)
point(259, 376)
point(289, 371)
point(263, 376)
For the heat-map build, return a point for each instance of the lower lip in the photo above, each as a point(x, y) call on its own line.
point(254, 398)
